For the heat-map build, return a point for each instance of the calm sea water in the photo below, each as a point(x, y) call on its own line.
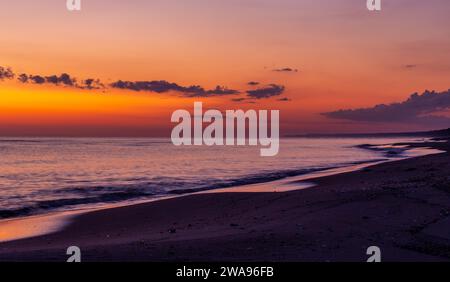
point(39, 175)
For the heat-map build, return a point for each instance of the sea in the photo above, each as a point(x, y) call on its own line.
point(44, 175)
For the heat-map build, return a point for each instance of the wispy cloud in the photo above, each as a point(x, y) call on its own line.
point(285, 70)
point(410, 66)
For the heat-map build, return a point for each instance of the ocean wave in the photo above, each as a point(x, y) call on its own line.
point(388, 150)
point(49, 205)
point(76, 197)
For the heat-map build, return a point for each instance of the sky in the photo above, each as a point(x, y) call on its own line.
point(324, 64)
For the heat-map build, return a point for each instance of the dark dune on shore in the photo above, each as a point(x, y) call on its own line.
point(402, 207)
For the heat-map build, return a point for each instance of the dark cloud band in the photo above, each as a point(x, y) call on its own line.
point(155, 86)
point(285, 70)
point(266, 92)
point(162, 86)
point(417, 108)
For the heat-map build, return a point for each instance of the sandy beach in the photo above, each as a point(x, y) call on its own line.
point(336, 220)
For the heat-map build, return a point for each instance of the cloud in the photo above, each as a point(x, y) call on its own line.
point(221, 91)
point(36, 79)
point(418, 108)
point(23, 78)
point(267, 92)
point(284, 100)
point(410, 66)
point(253, 83)
point(285, 70)
point(92, 83)
point(63, 80)
point(162, 86)
point(157, 86)
point(6, 73)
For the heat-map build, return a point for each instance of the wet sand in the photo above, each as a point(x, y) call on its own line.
point(402, 207)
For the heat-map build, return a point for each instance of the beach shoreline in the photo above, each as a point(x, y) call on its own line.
point(46, 223)
point(337, 221)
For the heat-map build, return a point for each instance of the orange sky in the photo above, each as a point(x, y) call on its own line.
point(347, 57)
